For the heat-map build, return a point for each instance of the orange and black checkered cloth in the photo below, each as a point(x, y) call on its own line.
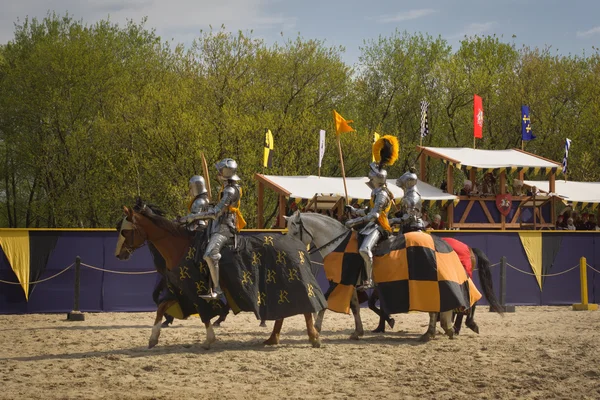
point(420, 272)
point(343, 267)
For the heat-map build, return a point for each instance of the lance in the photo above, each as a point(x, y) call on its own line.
point(206, 177)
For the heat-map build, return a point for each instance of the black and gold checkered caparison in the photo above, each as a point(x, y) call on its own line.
point(420, 272)
point(342, 268)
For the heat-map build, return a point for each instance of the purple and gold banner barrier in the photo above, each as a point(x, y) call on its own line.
point(539, 269)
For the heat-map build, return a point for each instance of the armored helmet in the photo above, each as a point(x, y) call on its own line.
point(385, 152)
point(197, 186)
point(227, 169)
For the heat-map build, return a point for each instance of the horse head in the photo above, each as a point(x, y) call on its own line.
point(297, 229)
point(131, 237)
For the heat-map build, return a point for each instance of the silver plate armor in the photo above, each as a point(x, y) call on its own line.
point(199, 205)
point(372, 231)
point(411, 203)
point(197, 186)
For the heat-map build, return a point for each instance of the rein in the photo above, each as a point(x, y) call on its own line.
point(312, 238)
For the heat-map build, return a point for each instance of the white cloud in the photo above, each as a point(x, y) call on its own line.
point(405, 16)
point(177, 19)
point(476, 28)
point(590, 32)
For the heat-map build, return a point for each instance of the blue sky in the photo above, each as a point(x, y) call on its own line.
point(569, 26)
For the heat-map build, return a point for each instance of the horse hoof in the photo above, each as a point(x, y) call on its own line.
point(354, 336)
point(361, 333)
point(378, 330)
point(426, 337)
point(152, 343)
point(263, 325)
point(316, 343)
point(474, 327)
point(272, 341)
point(216, 324)
point(391, 323)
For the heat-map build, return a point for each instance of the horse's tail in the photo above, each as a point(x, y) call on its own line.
point(485, 278)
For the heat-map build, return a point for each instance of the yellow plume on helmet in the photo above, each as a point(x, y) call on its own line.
point(386, 150)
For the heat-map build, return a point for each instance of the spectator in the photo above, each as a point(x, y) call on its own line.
point(467, 188)
point(560, 223)
point(517, 187)
point(581, 223)
point(444, 187)
point(425, 219)
point(592, 223)
point(437, 223)
point(489, 185)
point(570, 225)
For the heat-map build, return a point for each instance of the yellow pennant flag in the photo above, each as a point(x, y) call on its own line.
point(268, 156)
point(375, 138)
point(341, 125)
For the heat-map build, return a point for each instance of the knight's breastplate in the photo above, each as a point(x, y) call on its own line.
point(225, 224)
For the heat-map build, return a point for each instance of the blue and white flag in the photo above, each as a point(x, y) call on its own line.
point(567, 147)
point(526, 133)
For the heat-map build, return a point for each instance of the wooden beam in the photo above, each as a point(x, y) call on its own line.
point(434, 154)
point(272, 185)
point(473, 177)
point(260, 219)
point(422, 167)
point(282, 207)
point(450, 182)
point(467, 211)
point(486, 211)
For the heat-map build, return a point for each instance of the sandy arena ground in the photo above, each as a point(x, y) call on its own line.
point(537, 353)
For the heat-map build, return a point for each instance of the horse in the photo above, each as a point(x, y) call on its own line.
point(142, 224)
point(327, 234)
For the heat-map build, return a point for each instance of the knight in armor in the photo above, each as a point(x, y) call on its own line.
point(199, 202)
point(227, 220)
point(385, 152)
point(410, 220)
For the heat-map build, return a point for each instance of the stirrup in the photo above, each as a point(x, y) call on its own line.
point(368, 284)
point(212, 295)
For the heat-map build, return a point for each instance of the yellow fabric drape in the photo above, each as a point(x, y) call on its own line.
point(240, 222)
point(16, 247)
point(532, 243)
point(383, 216)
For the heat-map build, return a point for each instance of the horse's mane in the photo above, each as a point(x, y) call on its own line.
point(157, 216)
point(330, 220)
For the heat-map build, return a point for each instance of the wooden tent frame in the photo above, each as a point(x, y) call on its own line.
point(316, 202)
point(524, 201)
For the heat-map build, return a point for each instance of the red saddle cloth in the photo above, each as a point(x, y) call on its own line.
point(464, 254)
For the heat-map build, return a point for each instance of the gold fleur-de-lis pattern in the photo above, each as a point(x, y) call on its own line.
point(191, 253)
point(293, 275)
point(247, 278)
point(301, 255)
point(268, 241)
point(281, 255)
point(184, 273)
point(256, 258)
point(262, 298)
point(271, 275)
point(283, 297)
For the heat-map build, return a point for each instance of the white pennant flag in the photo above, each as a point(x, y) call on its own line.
point(321, 146)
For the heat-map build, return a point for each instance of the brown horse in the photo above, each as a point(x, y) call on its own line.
point(173, 243)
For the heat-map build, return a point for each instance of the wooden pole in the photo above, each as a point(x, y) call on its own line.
point(281, 223)
point(503, 191)
point(474, 141)
point(343, 169)
point(450, 182)
point(584, 305)
point(206, 177)
point(552, 189)
point(260, 214)
point(423, 167)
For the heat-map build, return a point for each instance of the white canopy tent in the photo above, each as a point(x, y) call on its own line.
point(582, 194)
point(306, 187)
point(508, 159)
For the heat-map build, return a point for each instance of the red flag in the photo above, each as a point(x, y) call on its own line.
point(477, 117)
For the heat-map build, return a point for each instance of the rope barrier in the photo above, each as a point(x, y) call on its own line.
point(592, 268)
point(532, 274)
point(119, 272)
point(41, 280)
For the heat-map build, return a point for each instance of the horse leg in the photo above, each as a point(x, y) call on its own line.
point(446, 322)
point(222, 316)
point(210, 335)
point(458, 322)
point(263, 323)
point(383, 317)
point(319, 319)
point(160, 312)
point(313, 335)
point(471, 324)
point(430, 334)
point(358, 326)
point(274, 338)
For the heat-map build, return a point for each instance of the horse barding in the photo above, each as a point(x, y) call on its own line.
point(414, 272)
point(269, 275)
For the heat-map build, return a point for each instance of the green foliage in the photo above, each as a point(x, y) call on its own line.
point(93, 115)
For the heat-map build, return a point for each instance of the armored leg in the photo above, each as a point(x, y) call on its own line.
point(212, 255)
point(367, 254)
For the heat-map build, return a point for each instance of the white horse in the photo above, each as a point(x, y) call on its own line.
point(327, 233)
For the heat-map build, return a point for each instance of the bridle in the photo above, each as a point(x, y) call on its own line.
point(134, 228)
point(312, 238)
